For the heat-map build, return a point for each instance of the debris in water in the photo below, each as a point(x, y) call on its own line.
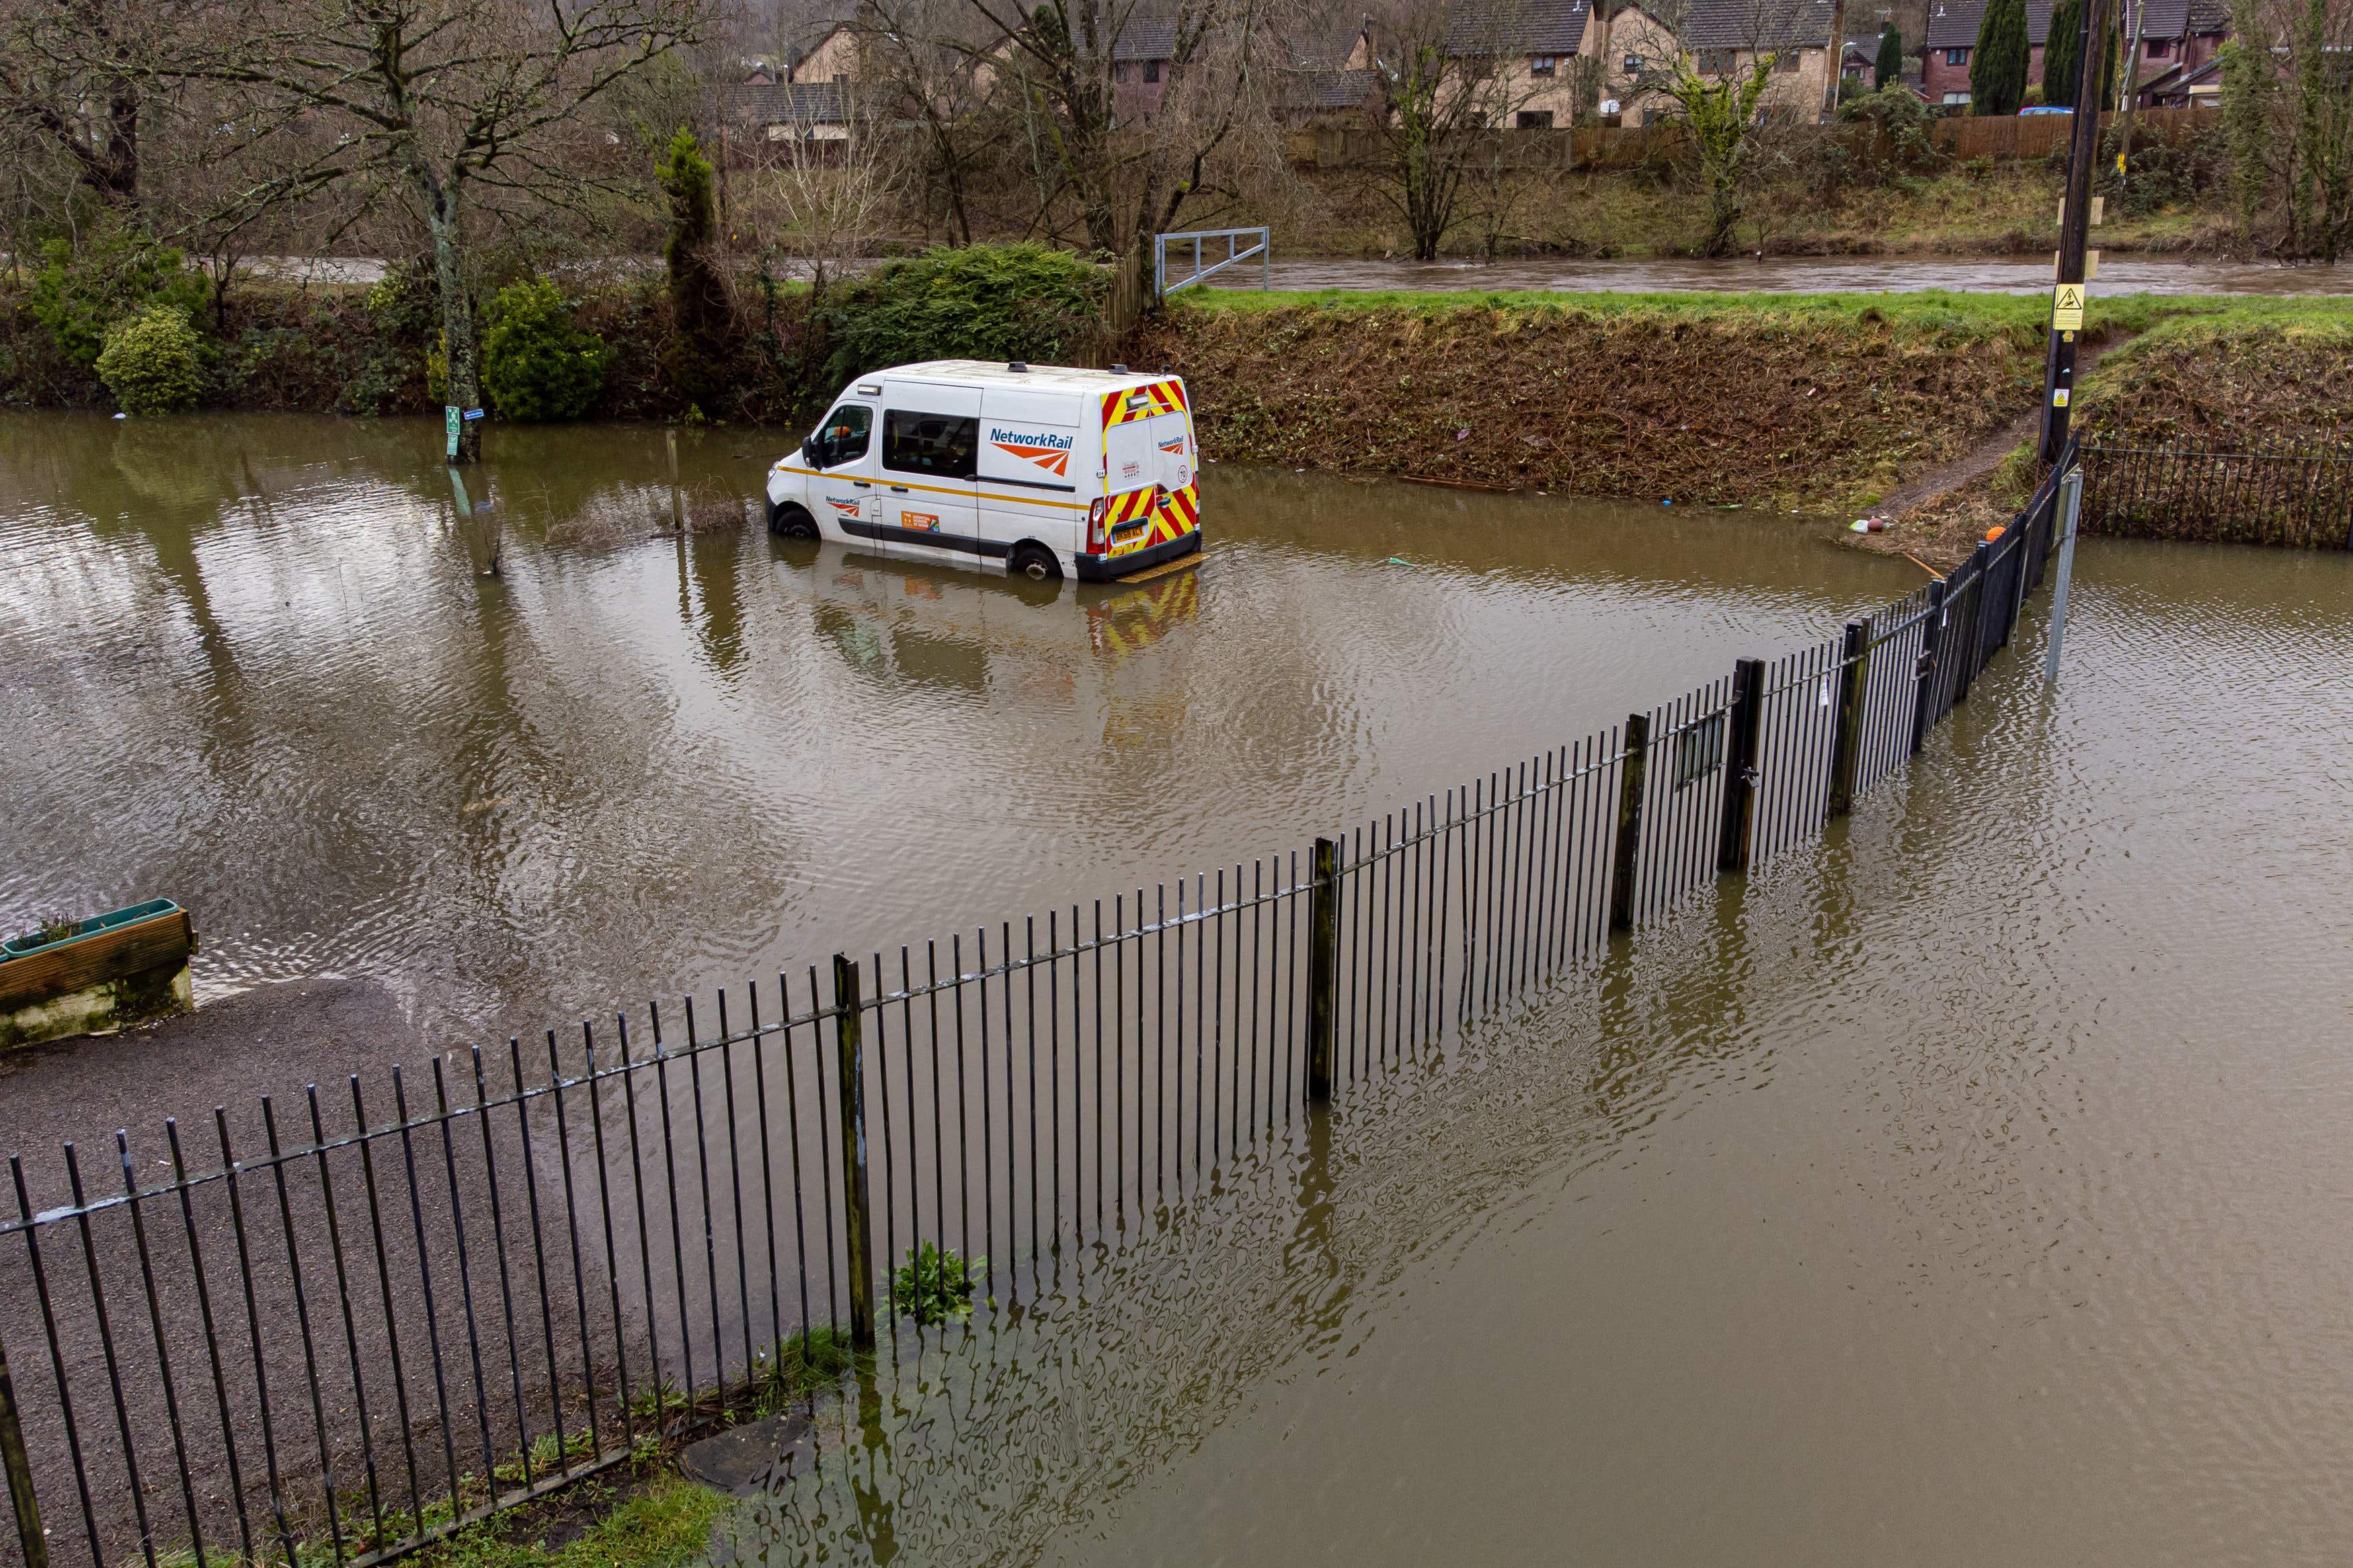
point(1399, 560)
point(1869, 525)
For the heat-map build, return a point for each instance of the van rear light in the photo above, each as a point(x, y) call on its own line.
point(1098, 537)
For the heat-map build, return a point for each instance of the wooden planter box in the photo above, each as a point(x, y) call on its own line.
point(112, 970)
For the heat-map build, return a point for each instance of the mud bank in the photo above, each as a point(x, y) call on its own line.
point(1799, 401)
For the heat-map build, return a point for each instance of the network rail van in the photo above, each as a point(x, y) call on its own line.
point(1051, 472)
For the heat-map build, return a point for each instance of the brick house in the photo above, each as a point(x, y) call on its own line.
point(1534, 46)
point(2175, 34)
point(1722, 38)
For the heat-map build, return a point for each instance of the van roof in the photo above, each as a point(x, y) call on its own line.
point(1037, 378)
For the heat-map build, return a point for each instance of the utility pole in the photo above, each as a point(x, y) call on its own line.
point(2074, 233)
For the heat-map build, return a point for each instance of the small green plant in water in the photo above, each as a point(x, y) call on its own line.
point(933, 1286)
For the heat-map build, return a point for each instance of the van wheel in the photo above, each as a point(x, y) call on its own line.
point(793, 522)
point(1036, 563)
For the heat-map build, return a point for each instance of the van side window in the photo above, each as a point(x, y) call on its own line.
point(844, 435)
point(943, 446)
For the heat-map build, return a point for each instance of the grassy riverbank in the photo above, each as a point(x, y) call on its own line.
point(1788, 401)
point(1974, 208)
point(2230, 378)
point(1797, 402)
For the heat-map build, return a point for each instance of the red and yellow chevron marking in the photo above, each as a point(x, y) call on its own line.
point(1142, 403)
point(1168, 514)
point(1135, 621)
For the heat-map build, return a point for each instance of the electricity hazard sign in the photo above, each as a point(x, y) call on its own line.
point(2067, 308)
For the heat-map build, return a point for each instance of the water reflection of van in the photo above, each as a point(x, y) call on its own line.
point(903, 621)
point(1050, 471)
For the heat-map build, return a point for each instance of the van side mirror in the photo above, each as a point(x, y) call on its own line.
point(810, 454)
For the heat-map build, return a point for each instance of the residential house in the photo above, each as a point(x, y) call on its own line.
point(823, 48)
point(792, 112)
point(1318, 84)
point(1724, 38)
point(1142, 58)
point(2175, 37)
point(1533, 45)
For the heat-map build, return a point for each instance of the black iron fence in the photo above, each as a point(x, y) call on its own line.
point(2299, 494)
point(321, 1333)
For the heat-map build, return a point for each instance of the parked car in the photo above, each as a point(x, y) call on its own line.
point(1051, 472)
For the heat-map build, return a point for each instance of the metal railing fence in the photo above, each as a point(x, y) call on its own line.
point(1241, 245)
point(323, 1334)
point(2298, 494)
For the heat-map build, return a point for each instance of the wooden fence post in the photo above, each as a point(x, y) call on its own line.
point(1747, 719)
point(857, 1226)
point(677, 502)
point(1854, 656)
point(1931, 642)
point(1630, 821)
point(29, 1535)
point(1323, 969)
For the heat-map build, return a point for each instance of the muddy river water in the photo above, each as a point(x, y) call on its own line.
point(1972, 1187)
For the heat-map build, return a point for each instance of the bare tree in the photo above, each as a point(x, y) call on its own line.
point(1449, 78)
point(1722, 80)
point(937, 56)
point(2287, 105)
point(68, 79)
point(1129, 164)
point(431, 103)
point(824, 191)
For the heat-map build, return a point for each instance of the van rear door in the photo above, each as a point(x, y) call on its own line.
point(930, 447)
point(1148, 466)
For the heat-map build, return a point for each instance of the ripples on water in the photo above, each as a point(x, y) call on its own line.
point(1970, 1189)
point(253, 669)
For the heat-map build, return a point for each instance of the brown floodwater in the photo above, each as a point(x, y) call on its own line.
point(252, 667)
point(1971, 1187)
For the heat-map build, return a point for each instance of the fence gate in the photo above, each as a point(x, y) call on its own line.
point(1241, 245)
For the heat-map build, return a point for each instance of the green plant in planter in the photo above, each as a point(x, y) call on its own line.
point(537, 363)
point(933, 1286)
point(154, 362)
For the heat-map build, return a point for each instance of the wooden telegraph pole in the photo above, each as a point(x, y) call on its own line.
point(2074, 233)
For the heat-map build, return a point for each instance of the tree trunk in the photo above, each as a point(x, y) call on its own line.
point(442, 217)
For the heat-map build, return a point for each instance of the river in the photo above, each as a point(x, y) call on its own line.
point(1969, 1187)
point(2153, 274)
point(1797, 275)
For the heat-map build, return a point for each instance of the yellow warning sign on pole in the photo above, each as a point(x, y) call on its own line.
point(2067, 308)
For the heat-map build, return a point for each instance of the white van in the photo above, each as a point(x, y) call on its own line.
point(1051, 470)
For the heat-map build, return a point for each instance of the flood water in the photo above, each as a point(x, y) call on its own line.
point(252, 669)
point(1972, 1187)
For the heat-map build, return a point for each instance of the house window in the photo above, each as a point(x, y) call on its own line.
point(2159, 47)
point(1957, 100)
point(1956, 56)
point(1152, 70)
point(1786, 60)
point(1633, 64)
point(1532, 119)
point(1716, 62)
point(1542, 64)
